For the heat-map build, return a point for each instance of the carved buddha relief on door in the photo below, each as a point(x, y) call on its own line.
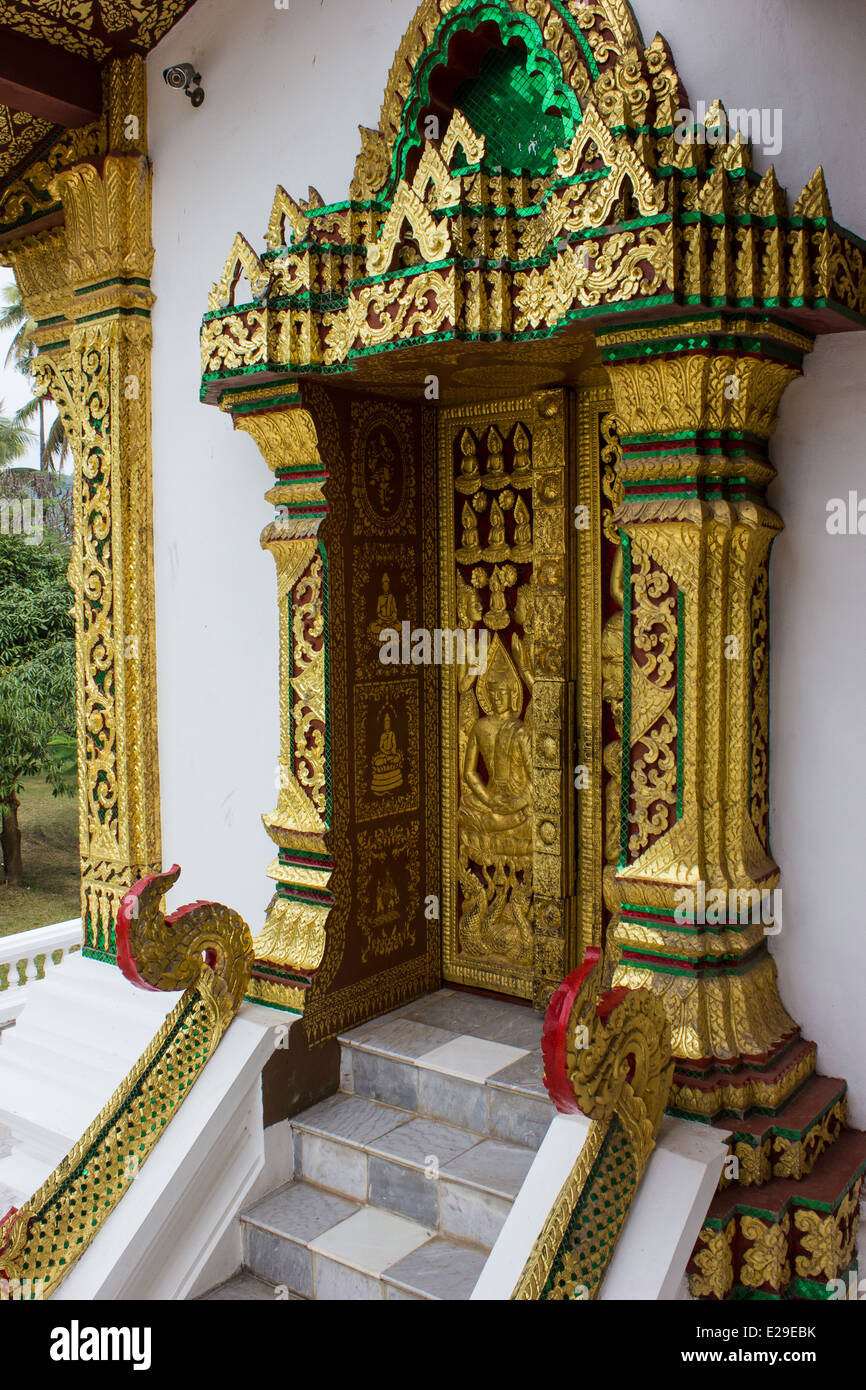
point(506, 550)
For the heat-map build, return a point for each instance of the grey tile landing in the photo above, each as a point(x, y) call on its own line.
point(241, 1288)
point(459, 1013)
point(519, 1026)
point(402, 1038)
point(384, 1079)
point(354, 1118)
point(441, 1269)
point(495, 1167)
point(424, 1143)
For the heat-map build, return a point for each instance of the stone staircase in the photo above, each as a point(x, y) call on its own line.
point(404, 1178)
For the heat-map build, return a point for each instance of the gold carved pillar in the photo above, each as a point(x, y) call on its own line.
point(85, 282)
point(696, 403)
point(290, 947)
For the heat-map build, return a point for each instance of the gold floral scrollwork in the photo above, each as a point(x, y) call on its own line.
point(765, 1261)
point(827, 1241)
point(653, 725)
point(714, 1261)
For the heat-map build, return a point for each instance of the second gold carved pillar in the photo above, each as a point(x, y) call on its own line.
point(690, 897)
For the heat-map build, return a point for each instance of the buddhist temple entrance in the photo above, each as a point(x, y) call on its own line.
point(466, 563)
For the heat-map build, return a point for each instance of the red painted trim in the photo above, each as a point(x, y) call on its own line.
point(555, 1031)
point(128, 912)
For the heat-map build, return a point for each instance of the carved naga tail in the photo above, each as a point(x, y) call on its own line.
point(609, 1058)
point(203, 943)
point(205, 950)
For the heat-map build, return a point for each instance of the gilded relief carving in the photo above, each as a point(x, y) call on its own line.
point(389, 892)
point(386, 762)
point(495, 816)
point(504, 575)
point(382, 468)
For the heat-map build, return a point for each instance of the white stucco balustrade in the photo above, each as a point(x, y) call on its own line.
point(28, 956)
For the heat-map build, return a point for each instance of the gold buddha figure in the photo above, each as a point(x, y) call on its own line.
point(387, 764)
point(497, 546)
point(470, 549)
point(495, 477)
point(496, 786)
point(386, 610)
point(469, 480)
point(522, 548)
point(521, 476)
point(497, 616)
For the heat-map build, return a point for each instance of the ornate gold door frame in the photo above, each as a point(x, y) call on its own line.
point(75, 229)
point(520, 555)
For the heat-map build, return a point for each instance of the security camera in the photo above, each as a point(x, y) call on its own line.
point(184, 78)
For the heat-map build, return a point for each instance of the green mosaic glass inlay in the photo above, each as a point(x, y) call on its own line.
point(512, 109)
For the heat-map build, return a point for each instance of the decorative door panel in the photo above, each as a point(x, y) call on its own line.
point(507, 701)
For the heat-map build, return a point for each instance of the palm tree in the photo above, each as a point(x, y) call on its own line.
point(20, 355)
point(15, 438)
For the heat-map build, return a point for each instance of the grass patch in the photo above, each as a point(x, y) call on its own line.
point(49, 849)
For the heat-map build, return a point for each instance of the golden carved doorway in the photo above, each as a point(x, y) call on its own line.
point(521, 578)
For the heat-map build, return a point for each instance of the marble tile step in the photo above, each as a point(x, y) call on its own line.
point(789, 1142)
point(491, 1087)
point(243, 1287)
point(320, 1246)
point(454, 1180)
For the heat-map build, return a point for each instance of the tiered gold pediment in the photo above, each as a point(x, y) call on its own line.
point(646, 210)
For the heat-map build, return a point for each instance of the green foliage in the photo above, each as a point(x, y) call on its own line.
point(15, 438)
point(37, 665)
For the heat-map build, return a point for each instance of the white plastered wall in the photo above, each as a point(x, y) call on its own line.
point(285, 92)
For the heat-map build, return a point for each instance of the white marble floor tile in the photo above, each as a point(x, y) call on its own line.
point(371, 1240)
point(474, 1059)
